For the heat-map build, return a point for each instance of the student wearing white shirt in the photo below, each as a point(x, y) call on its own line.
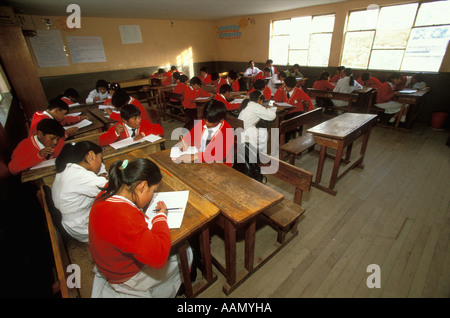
point(276, 79)
point(346, 85)
point(100, 93)
point(77, 183)
point(252, 111)
point(252, 69)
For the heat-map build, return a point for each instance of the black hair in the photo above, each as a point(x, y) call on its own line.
point(101, 83)
point(295, 66)
point(183, 78)
point(176, 75)
point(349, 72)
point(214, 111)
point(394, 75)
point(75, 153)
point(113, 86)
point(214, 76)
point(204, 69)
point(420, 77)
point(57, 103)
point(160, 71)
point(129, 111)
point(282, 74)
point(120, 98)
point(324, 75)
point(259, 84)
point(290, 81)
point(135, 172)
point(225, 88)
point(365, 76)
point(71, 92)
point(195, 80)
point(250, 62)
point(173, 68)
point(269, 61)
point(244, 104)
point(50, 126)
point(255, 95)
point(340, 68)
point(233, 75)
point(267, 69)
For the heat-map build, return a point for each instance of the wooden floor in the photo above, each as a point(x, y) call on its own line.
point(393, 213)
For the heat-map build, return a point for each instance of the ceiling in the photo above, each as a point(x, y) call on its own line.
point(162, 9)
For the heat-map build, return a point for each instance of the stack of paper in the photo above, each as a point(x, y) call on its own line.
point(175, 201)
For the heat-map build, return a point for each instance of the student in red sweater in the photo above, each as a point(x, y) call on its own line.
point(273, 69)
point(131, 125)
point(56, 109)
point(293, 95)
point(212, 136)
point(171, 79)
point(70, 96)
point(338, 75)
point(224, 96)
point(121, 98)
point(231, 79)
point(204, 76)
point(191, 93)
point(369, 81)
point(45, 144)
point(132, 252)
point(323, 83)
point(215, 79)
point(387, 96)
point(261, 86)
point(266, 73)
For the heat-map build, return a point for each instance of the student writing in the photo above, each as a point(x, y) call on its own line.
point(70, 96)
point(191, 93)
point(224, 96)
point(121, 98)
point(100, 93)
point(366, 79)
point(251, 70)
point(261, 86)
point(293, 95)
point(346, 85)
point(387, 98)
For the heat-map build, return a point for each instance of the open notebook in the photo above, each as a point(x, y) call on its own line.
point(175, 201)
point(129, 141)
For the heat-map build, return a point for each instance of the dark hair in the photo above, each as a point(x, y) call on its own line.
point(250, 62)
point(204, 69)
point(269, 61)
point(214, 76)
point(225, 88)
point(50, 126)
point(101, 83)
point(160, 71)
point(349, 72)
point(75, 153)
point(267, 69)
point(214, 111)
point(365, 76)
point(255, 95)
point(128, 111)
point(394, 75)
point(136, 171)
point(57, 103)
point(120, 98)
point(244, 104)
point(290, 81)
point(183, 78)
point(295, 66)
point(340, 68)
point(176, 75)
point(259, 84)
point(420, 77)
point(71, 92)
point(195, 80)
point(233, 75)
point(173, 68)
point(114, 86)
point(282, 74)
point(324, 75)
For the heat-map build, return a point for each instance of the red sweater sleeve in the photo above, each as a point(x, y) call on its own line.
point(279, 95)
point(148, 128)
point(385, 93)
point(108, 137)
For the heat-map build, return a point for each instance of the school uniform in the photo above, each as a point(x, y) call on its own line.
point(252, 71)
point(295, 98)
point(146, 128)
point(74, 191)
point(335, 78)
point(323, 85)
point(220, 146)
point(406, 83)
point(343, 86)
point(371, 82)
point(67, 100)
point(26, 154)
point(228, 105)
point(133, 101)
point(38, 116)
point(190, 94)
point(179, 89)
point(262, 76)
point(205, 80)
point(234, 85)
point(94, 93)
point(273, 70)
point(272, 83)
point(131, 256)
point(295, 74)
point(267, 92)
point(386, 98)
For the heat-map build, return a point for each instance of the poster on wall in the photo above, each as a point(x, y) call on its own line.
point(48, 48)
point(130, 34)
point(86, 49)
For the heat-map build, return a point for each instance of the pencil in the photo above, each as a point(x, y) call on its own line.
point(156, 210)
point(183, 143)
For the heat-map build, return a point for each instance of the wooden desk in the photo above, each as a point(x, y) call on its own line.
point(157, 91)
point(95, 127)
point(134, 82)
point(199, 213)
point(100, 115)
point(337, 133)
point(301, 83)
point(415, 100)
point(240, 200)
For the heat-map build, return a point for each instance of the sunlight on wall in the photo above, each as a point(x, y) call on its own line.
point(186, 62)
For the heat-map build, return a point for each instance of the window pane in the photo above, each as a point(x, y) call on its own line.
point(386, 59)
point(319, 51)
point(357, 47)
point(433, 13)
point(362, 20)
point(281, 27)
point(280, 49)
point(300, 31)
point(391, 39)
point(323, 23)
point(426, 48)
point(397, 17)
point(298, 57)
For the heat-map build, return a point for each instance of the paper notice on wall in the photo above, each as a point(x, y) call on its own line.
point(48, 48)
point(130, 34)
point(86, 49)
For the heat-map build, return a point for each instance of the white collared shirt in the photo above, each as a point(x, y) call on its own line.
point(205, 135)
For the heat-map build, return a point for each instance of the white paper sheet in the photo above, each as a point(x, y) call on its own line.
point(283, 104)
point(175, 200)
point(175, 152)
point(81, 124)
point(74, 104)
point(45, 163)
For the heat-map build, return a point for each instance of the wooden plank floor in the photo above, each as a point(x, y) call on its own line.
point(393, 213)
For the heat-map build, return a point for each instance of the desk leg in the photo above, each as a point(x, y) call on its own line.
point(205, 250)
point(323, 152)
point(230, 251)
point(337, 163)
point(364, 147)
point(185, 270)
point(250, 245)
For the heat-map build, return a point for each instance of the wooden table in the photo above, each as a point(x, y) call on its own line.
point(100, 115)
point(239, 198)
point(197, 217)
point(134, 82)
point(95, 127)
point(337, 133)
point(415, 100)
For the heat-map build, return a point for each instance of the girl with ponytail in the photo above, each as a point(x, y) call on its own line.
point(79, 177)
point(346, 85)
point(132, 256)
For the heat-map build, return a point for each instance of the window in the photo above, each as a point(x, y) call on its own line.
point(408, 37)
point(302, 40)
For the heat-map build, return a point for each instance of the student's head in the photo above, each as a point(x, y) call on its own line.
point(131, 115)
point(296, 68)
point(257, 97)
point(173, 68)
point(49, 131)
point(101, 86)
point(325, 75)
point(290, 82)
point(58, 109)
point(120, 98)
point(269, 62)
point(267, 72)
point(349, 72)
point(215, 77)
point(282, 75)
point(195, 82)
point(113, 87)
point(365, 76)
point(340, 71)
point(259, 84)
point(84, 153)
point(72, 94)
point(184, 78)
point(214, 113)
point(176, 76)
point(139, 177)
point(203, 71)
point(251, 63)
point(395, 78)
point(226, 90)
point(417, 78)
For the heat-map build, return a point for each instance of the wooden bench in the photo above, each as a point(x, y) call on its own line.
point(305, 142)
point(173, 102)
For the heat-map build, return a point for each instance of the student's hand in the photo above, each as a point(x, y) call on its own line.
point(138, 137)
point(119, 129)
point(397, 94)
point(108, 111)
point(47, 151)
point(72, 131)
point(161, 206)
point(96, 99)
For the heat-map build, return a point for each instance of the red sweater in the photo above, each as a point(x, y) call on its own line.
point(266, 92)
point(371, 82)
point(385, 93)
point(205, 80)
point(220, 147)
point(146, 128)
point(228, 105)
point(67, 100)
point(26, 155)
point(323, 85)
point(190, 94)
point(38, 116)
point(121, 242)
point(223, 80)
point(133, 101)
point(297, 96)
